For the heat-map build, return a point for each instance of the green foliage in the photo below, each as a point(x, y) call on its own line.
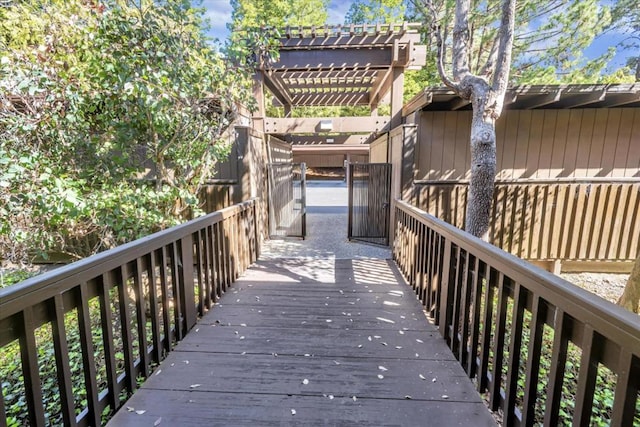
point(373, 12)
point(112, 117)
point(277, 13)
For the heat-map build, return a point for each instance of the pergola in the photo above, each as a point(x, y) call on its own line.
point(352, 65)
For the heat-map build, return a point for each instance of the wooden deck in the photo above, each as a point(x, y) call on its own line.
point(310, 342)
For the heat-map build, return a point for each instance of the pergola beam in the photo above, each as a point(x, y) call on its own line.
point(333, 59)
point(338, 125)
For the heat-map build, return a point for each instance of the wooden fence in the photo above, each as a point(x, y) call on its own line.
point(588, 221)
point(121, 311)
point(540, 347)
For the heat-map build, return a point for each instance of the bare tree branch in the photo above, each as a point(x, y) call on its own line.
point(429, 9)
point(461, 40)
point(505, 47)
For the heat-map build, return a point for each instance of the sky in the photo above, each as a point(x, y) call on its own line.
point(219, 14)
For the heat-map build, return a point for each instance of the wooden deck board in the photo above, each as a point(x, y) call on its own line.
point(330, 322)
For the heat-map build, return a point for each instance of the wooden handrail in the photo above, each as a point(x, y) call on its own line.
point(157, 286)
point(466, 285)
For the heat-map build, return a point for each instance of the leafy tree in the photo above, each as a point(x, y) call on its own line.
point(376, 11)
point(251, 14)
point(626, 19)
point(112, 117)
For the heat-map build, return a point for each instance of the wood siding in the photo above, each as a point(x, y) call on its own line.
point(379, 151)
point(588, 221)
point(577, 143)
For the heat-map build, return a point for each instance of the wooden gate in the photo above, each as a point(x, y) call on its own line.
point(287, 200)
point(369, 202)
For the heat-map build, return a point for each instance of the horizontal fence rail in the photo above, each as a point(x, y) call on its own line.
point(542, 350)
point(87, 332)
point(570, 220)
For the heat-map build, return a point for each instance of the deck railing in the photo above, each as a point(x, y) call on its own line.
point(539, 347)
point(108, 319)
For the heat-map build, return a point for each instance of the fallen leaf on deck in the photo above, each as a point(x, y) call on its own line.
point(305, 381)
point(140, 412)
point(422, 377)
point(382, 368)
point(157, 422)
point(381, 376)
point(293, 412)
point(195, 385)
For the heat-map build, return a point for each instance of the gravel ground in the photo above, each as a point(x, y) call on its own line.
point(607, 286)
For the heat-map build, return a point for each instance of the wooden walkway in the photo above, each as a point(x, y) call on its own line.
point(310, 342)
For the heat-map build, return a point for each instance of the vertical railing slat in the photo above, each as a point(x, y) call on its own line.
point(186, 283)
point(513, 372)
point(586, 377)
point(141, 318)
point(487, 320)
point(561, 330)
point(63, 371)
point(164, 286)
point(176, 287)
point(532, 370)
point(498, 343)
point(88, 361)
point(472, 362)
point(156, 334)
point(106, 321)
point(30, 370)
point(125, 327)
point(624, 404)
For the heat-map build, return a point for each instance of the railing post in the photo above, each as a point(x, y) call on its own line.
point(187, 290)
point(446, 291)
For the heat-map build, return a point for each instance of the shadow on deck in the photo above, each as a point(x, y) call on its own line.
point(310, 342)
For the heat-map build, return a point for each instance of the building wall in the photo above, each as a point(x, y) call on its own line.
point(320, 160)
point(379, 150)
point(538, 144)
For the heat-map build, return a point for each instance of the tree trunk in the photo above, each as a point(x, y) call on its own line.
point(483, 159)
point(630, 298)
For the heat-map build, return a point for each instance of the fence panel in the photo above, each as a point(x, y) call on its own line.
point(287, 200)
point(369, 202)
point(589, 220)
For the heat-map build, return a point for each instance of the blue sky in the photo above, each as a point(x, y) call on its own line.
point(219, 14)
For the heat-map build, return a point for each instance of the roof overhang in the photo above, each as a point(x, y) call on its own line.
point(535, 97)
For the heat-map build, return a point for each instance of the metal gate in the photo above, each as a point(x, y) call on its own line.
point(287, 200)
point(369, 202)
